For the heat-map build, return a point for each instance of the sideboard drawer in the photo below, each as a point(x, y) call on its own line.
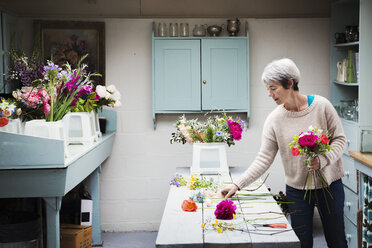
point(351, 205)
point(351, 130)
point(350, 178)
point(351, 234)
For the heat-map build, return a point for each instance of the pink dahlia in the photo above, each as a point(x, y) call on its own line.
point(308, 140)
point(235, 129)
point(225, 210)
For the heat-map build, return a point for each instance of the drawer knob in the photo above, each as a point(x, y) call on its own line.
point(204, 81)
point(348, 204)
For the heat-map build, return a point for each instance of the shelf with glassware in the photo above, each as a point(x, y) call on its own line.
point(200, 74)
point(345, 86)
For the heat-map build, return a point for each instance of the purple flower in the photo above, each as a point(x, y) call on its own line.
point(225, 210)
point(235, 129)
point(308, 140)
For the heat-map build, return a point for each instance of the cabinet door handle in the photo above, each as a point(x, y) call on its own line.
point(348, 236)
point(348, 204)
point(204, 81)
point(347, 173)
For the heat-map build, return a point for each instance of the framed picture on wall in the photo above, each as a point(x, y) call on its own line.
point(68, 41)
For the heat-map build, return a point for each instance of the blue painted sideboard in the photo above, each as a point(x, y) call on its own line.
point(200, 74)
point(36, 167)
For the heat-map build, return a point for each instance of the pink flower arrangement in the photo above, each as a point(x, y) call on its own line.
point(34, 98)
point(216, 129)
point(225, 210)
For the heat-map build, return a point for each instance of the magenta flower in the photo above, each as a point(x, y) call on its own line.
point(235, 130)
point(308, 140)
point(225, 210)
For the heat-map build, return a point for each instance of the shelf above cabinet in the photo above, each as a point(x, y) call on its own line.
point(347, 44)
point(346, 84)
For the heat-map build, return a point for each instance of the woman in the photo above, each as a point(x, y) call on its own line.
point(295, 113)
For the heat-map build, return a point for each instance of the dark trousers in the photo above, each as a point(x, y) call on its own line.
point(332, 220)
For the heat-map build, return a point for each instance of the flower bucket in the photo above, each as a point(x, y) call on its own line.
point(209, 158)
point(14, 126)
point(44, 129)
point(81, 128)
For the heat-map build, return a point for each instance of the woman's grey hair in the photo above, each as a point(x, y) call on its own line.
point(282, 70)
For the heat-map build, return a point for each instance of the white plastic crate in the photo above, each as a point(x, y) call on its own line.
point(209, 158)
point(42, 128)
point(14, 126)
point(81, 128)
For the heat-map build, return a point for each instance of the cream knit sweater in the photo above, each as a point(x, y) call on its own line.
point(279, 129)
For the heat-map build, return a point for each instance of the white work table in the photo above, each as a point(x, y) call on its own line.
point(183, 229)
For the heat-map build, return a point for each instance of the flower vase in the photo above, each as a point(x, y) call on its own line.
point(13, 126)
point(209, 158)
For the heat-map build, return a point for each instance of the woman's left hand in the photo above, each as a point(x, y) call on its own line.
point(314, 164)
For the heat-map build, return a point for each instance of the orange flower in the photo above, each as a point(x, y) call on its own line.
point(7, 113)
point(295, 151)
point(189, 206)
point(3, 121)
point(324, 139)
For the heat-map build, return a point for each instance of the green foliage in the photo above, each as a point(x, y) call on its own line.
point(85, 105)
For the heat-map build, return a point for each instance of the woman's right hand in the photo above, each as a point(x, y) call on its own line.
point(229, 191)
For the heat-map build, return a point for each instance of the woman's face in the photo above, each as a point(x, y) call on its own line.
point(277, 92)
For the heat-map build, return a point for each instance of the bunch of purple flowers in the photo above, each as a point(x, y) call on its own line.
point(24, 70)
point(225, 210)
point(178, 180)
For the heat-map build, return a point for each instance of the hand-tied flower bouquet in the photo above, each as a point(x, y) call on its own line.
point(222, 129)
point(311, 144)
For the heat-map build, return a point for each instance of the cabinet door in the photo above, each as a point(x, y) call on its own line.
point(2, 86)
point(224, 74)
point(177, 75)
point(9, 25)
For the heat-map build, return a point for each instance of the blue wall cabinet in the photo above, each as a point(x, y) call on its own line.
point(224, 74)
point(177, 75)
point(200, 74)
point(8, 30)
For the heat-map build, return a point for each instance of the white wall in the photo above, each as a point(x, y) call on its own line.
point(135, 178)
